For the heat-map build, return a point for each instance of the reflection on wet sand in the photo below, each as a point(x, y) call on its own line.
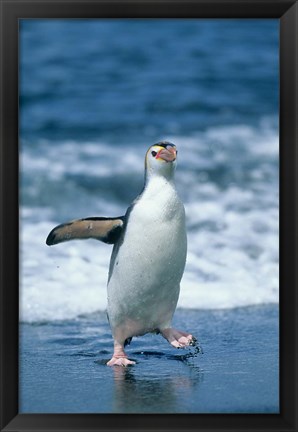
point(156, 389)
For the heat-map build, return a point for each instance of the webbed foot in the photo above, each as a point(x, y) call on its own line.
point(177, 338)
point(120, 361)
point(119, 357)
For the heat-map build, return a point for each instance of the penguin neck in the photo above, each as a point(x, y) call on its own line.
point(158, 181)
point(168, 177)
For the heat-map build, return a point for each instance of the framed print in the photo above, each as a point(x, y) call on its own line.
point(148, 246)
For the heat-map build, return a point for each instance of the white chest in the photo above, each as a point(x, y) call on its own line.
point(154, 248)
point(159, 204)
point(145, 278)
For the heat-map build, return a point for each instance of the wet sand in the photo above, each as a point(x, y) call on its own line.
point(235, 368)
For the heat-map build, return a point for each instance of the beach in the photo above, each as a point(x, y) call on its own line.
point(234, 370)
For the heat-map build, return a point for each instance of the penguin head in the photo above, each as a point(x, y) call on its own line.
point(161, 159)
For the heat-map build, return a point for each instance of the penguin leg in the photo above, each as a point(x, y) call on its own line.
point(177, 338)
point(119, 357)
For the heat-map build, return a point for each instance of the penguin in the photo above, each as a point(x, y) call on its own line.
point(148, 256)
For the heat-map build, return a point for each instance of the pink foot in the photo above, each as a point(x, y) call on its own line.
point(120, 361)
point(177, 338)
point(119, 357)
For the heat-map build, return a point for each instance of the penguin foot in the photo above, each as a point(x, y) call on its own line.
point(120, 361)
point(119, 357)
point(177, 338)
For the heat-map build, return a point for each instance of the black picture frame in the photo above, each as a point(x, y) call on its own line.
point(13, 10)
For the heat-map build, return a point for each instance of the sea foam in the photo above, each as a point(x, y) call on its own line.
point(227, 178)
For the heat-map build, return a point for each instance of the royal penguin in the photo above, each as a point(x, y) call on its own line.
point(148, 257)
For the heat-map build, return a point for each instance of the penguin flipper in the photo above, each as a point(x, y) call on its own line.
point(107, 230)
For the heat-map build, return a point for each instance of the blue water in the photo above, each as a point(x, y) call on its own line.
point(94, 95)
point(236, 371)
point(138, 80)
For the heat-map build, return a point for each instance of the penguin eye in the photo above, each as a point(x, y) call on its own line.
point(154, 153)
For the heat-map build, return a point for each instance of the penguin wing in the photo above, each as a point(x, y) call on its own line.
point(107, 230)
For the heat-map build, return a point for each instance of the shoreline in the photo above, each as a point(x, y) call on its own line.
point(63, 366)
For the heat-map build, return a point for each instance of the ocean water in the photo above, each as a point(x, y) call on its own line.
point(63, 366)
point(94, 95)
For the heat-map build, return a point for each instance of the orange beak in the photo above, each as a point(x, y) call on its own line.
point(168, 154)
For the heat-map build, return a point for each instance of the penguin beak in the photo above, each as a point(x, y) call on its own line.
point(168, 154)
